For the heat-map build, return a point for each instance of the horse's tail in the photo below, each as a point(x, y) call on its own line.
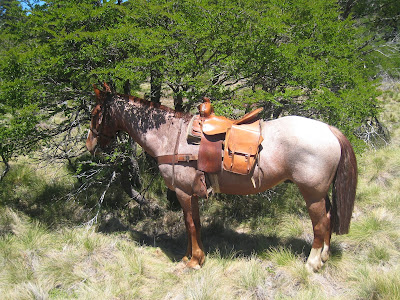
point(344, 186)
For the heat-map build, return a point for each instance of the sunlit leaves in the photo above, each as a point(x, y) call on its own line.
point(291, 57)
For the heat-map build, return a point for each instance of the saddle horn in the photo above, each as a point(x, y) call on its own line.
point(206, 109)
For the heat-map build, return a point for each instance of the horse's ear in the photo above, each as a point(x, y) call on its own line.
point(97, 92)
point(107, 87)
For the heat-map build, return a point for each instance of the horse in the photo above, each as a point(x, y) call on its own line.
point(311, 154)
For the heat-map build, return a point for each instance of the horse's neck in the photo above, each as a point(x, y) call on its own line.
point(154, 129)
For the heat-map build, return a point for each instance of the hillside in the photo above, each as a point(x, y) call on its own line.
point(51, 256)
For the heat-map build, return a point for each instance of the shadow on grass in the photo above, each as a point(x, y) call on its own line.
point(53, 202)
point(228, 243)
point(23, 190)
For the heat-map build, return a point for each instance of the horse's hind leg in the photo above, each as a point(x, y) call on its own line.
point(327, 239)
point(322, 233)
point(191, 215)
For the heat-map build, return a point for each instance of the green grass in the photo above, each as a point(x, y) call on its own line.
point(376, 283)
point(281, 256)
point(369, 228)
point(291, 226)
point(252, 275)
point(378, 255)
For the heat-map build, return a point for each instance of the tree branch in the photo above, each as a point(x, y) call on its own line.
point(5, 162)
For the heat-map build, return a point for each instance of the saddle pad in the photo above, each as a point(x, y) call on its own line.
point(241, 148)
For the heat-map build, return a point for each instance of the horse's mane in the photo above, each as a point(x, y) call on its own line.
point(155, 105)
point(109, 92)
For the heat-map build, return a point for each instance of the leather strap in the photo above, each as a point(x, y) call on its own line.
point(175, 158)
point(98, 133)
point(176, 151)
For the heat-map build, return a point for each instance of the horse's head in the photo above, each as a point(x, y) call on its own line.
point(102, 128)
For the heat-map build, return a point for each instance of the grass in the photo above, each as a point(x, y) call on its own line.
point(252, 276)
point(70, 263)
point(373, 283)
point(256, 246)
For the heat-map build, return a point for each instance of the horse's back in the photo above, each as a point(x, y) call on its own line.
point(303, 150)
point(294, 131)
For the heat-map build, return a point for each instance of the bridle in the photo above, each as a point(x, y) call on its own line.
point(98, 133)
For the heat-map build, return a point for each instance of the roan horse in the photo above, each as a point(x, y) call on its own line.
point(311, 154)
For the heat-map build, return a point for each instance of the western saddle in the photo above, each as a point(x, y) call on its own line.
point(235, 143)
point(223, 142)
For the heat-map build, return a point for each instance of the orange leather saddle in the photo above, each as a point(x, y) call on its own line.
point(233, 144)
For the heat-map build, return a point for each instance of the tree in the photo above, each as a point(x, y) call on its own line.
point(298, 58)
point(291, 57)
point(382, 19)
point(18, 117)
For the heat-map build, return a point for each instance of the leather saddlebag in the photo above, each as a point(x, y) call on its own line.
point(241, 148)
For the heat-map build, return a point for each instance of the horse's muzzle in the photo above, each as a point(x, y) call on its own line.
point(91, 143)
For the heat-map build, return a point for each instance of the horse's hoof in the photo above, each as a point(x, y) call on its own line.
point(324, 256)
point(193, 265)
point(309, 268)
point(314, 262)
point(313, 268)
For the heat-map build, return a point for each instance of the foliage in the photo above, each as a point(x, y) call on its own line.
point(296, 57)
point(382, 17)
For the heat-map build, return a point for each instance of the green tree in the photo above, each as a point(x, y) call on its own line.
point(291, 57)
point(382, 19)
point(297, 57)
point(18, 116)
point(51, 56)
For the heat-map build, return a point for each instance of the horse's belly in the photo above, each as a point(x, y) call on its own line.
point(234, 184)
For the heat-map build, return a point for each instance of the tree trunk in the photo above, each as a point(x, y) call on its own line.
point(5, 162)
point(178, 102)
point(155, 86)
point(127, 87)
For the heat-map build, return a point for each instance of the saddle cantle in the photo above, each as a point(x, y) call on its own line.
point(234, 142)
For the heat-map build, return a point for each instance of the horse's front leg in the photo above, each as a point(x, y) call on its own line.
point(191, 215)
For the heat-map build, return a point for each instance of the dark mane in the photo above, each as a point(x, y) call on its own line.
point(155, 105)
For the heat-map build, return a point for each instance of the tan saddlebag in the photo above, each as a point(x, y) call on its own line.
point(241, 147)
